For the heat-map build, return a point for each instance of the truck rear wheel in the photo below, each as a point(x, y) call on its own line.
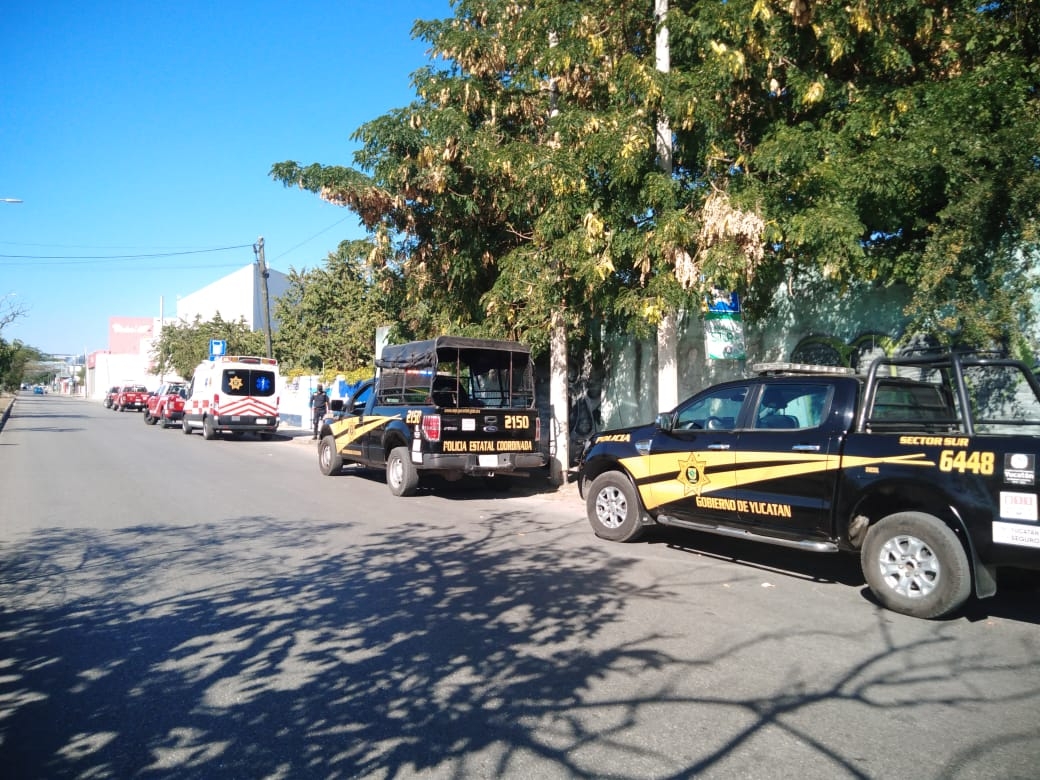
point(184, 425)
point(915, 564)
point(401, 476)
point(209, 431)
point(330, 462)
point(613, 508)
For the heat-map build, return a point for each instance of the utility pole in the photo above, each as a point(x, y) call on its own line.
point(258, 250)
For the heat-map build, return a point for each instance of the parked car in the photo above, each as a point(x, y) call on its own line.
point(131, 397)
point(449, 407)
point(166, 405)
point(925, 468)
point(233, 394)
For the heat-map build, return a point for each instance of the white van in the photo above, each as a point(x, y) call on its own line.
point(232, 394)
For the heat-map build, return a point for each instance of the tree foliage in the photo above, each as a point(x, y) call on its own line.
point(21, 363)
point(893, 142)
point(182, 346)
point(328, 316)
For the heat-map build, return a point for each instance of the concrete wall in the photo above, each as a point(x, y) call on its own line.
point(812, 323)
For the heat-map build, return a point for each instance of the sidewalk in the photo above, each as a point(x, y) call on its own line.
point(294, 431)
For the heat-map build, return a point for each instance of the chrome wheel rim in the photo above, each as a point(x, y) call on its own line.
point(394, 472)
point(909, 566)
point(611, 507)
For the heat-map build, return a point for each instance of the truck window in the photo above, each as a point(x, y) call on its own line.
point(404, 387)
point(916, 406)
point(504, 386)
point(793, 406)
point(715, 411)
point(360, 399)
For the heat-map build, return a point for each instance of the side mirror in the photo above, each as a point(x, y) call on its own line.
point(665, 421)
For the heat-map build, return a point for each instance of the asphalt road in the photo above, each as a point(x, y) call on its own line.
point(176, 607)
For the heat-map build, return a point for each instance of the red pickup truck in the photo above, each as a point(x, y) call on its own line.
point(166, 406)
point(131, 397)
point(111, 396)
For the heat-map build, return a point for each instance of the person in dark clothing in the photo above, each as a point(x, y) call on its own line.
point(319, 405)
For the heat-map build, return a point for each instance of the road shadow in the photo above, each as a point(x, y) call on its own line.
point(465, 489)
point(1018, 591)
point(260, 647)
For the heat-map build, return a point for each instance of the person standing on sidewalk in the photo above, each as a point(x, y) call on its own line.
point(319, 405)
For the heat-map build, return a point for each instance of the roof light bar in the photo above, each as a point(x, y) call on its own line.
point(800, 368)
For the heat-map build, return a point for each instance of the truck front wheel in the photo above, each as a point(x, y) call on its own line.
point(613, 508)
point(916, 565)
point(401, 476)
point(329, 460)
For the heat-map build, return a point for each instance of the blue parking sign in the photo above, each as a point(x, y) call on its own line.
point(217, 348)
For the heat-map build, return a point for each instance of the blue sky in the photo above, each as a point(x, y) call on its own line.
point(137, 128)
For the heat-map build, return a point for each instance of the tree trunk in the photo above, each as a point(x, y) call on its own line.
point(667, 363)
point(559, 402)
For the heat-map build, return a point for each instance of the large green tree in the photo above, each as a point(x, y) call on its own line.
point(890, 142)
point(20, 363)
point(329, 314)
point(887, 142)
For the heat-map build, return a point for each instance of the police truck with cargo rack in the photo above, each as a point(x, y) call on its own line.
point(926, 467)
point(449, 406)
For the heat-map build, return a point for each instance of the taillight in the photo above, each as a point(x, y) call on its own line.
point(431, 427)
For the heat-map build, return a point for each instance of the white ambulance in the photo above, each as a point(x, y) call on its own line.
point(233, 394)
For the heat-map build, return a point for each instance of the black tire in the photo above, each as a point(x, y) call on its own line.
point(163, 422)
point(330, 462)
point(148, 419)
point(915, 564)
point(185, 428)
point(401, 476)
point(209, 431)
point(613, 508)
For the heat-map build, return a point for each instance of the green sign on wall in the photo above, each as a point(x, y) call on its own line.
point(724, 335)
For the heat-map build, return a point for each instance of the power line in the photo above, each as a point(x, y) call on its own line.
point(307, 240)
point(74, 259)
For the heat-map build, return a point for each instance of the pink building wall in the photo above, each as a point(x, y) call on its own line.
point(125, 334)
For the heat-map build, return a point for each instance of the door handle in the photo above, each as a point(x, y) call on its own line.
point(806, 448)
point(718, 446)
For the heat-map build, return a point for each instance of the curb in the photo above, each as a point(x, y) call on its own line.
point(6, 414)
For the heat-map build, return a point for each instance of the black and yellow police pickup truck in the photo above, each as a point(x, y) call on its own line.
point(925, 467)
point(449, 406)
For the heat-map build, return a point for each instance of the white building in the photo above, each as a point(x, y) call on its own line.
point(237, 295)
